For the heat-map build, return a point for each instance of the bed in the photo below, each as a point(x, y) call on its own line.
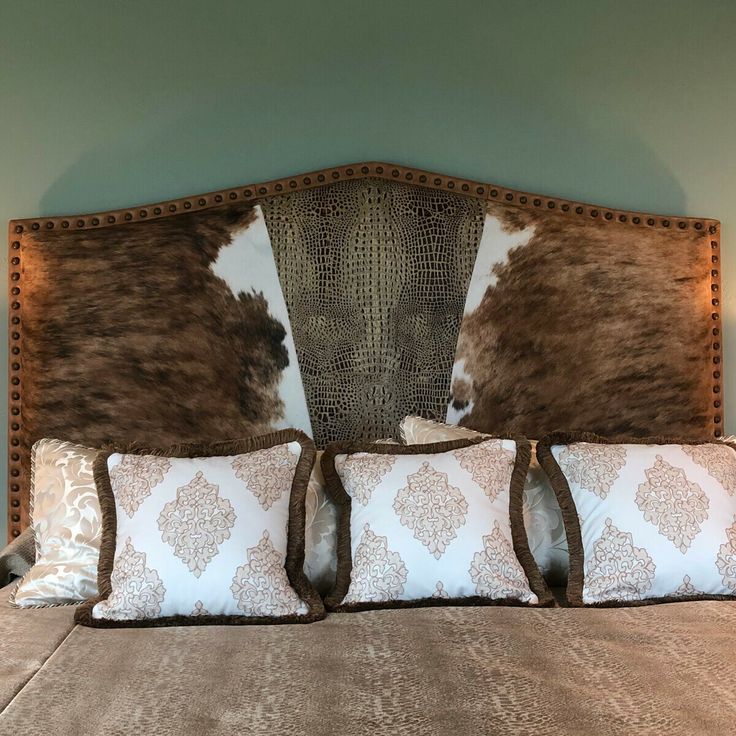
point(371, 291)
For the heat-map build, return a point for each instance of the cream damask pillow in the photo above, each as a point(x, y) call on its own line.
point(647, 520)
point(542, 516)
point(66, 523)
point(432, 525)
point(204, 535)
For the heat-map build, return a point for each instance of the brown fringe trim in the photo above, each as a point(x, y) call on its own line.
point(575, 580)
point(295, 543)
point(341, 499)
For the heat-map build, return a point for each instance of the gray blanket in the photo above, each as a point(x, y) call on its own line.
point(667, 669)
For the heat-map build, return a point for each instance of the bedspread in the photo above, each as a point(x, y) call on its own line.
point(658, 669)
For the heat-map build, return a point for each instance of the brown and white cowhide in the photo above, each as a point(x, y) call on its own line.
point(164, 331)
point(592, 325)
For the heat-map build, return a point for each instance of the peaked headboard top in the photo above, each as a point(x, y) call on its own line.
point(494, 308)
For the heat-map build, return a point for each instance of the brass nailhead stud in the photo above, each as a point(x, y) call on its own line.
point(16, 532)
point(465, 187)
point(15, 503)
point(15, 291)
point(111, 219)
point(15, 442)
point(172, 208)
point(279, 187)
point(494, 192)
point(594, 213)
point(15, 426)
point(716, 331)
point(579, 210)
point(523, 199)
point(248, 192)
point(714, 315)
point(307, 180)
point(622, 218)
point(551, 205)
point(95, 221)
point(714, 302)
point(716, 346)
point(349, 172)
point(716, 360)
point(450, 184)
point(379, 169)
point(156, 210)
point(698, 225)
point(15, 457)
point(15, 276)
point(65, 224)
point(262, 190)
point(321, 177)
point(234, 195)
point(479, 190)
point(717, 404)
point(712, 229)
point(395, 172)
point(636, 220)
point(202, 202)
point(650, 221)
point(35, 226)
point(714, 244)
point(336, 174)
point(716, 374)
point(365, 169)
point(609, 215)
point(537, 202)
point(714, 287)
point(682, 225)
point(717, 419)
point(15, 472)
point(49, 225)
point(80, 223)
point(128, 216)
point(437, 182)
point(15, 381)
point(565, 207)
point(19, 228)
point(16, 245)
point(509, 197)
point(666, 223)
point(218, 197)
point(716, 389)
point(143, 213)
point(187, 205)
point(423, 178)
point(292, 184)
point(15, 518)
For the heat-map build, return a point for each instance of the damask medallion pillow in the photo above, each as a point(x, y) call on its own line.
point(431, 524)
point(648, 520)
point(542, 516)
point(66, 524)
point(198, 534)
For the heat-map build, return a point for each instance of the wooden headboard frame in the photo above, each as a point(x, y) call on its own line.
point(254, 192)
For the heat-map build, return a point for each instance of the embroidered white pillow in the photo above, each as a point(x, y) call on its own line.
point(647, 520)
point(429, 525)
point(66, 522)
point(198, 534)
point(542, 516)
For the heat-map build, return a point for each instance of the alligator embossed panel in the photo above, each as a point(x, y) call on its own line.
point(375, 275)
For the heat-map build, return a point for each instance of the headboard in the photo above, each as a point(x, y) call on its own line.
point(341, 300)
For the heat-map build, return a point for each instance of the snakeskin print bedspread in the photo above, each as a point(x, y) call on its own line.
point(667, 669)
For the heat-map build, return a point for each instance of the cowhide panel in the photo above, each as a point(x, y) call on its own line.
point(586, 324)
point(375, 275)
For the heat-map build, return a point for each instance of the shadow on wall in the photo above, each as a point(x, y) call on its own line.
point(222, 144)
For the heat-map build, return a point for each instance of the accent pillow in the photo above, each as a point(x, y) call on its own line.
point(204, 534)
point(431, 524)
point(545, 529)
point(320, 561)
point(66, 523)
point(648, 520)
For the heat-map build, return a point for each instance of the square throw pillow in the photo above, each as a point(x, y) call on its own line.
point(198, 534)
point(66, 523)
point(648, 520)
point(431, 524)
point(545, 529)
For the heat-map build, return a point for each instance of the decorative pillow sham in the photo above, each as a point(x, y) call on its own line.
point(545, 529)
point(431, 524)
point(198, 534)
point(66, 523)
point(648, 520)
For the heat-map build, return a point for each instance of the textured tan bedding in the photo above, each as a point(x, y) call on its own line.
point(667, 669)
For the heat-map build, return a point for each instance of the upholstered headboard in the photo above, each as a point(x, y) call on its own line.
point(341, 300)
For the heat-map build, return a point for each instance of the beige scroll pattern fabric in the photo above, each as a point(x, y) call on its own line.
point(424, 526)
point(209, 537)
point(542, 517)
point(656, 521)
point(66, 524)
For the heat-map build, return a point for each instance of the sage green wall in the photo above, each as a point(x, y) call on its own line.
point(629, 104)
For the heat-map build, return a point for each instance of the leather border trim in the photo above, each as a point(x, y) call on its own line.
point(336, 491)
point(295, 542)
point(576, 578)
